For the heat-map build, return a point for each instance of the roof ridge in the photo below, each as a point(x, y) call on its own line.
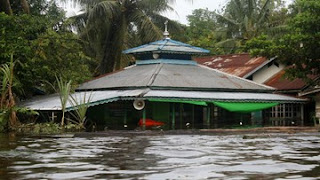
point(154, 75)
point(224, 55)
point(237, 77)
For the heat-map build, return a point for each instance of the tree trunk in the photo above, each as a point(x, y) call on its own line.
point(25, 6)
point(13, 115)
point(13, 121)
point(5, 6)
point(113, 50)
point(62, 118)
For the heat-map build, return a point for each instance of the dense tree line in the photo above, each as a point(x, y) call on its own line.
point(36, 45)
point(265, 28)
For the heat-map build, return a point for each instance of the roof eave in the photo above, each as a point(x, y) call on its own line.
point(259, 67)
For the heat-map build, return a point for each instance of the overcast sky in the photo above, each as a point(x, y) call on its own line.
point(182, 8)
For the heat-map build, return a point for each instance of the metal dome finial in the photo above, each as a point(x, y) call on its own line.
point(166, 33)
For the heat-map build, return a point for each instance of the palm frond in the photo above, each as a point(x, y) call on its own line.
point(147, 30)
point(64, 89)
point(158, 20)
point(263, 14)
point(156, 6)
point(81, 105)
point(226, 19)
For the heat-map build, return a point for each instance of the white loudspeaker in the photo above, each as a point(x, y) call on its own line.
point(138, 104)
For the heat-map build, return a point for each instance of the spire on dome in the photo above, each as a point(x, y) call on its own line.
point(166, 33)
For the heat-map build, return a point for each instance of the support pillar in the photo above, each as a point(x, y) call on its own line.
point(173, 116)
point(125, 117)
point(181, 114)
point(215, 116)
point(144, 118)
point(52, 116)
point(193, 117)
point(302, 114)
point(317, 108)
point(208, 117)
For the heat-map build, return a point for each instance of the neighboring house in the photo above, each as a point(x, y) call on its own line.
point(313, 92)
point(257, 69)
point(269, 72)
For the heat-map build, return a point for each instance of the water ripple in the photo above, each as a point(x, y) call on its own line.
point(163, 157)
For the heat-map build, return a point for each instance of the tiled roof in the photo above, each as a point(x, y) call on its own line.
point(236, 64)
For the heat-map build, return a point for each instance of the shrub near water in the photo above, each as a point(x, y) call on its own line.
point(47, 128)
point(3, 122)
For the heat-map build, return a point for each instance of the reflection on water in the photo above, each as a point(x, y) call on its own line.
point(277, 156)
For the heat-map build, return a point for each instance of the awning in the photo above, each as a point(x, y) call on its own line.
point(244, 107)
point(221, 96)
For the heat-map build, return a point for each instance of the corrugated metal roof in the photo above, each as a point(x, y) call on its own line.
point(167, 46)
point(236, 64)
point(280, 82)
point(52, 102)
point(173, 76)
point(222, 96)
point(101, 97)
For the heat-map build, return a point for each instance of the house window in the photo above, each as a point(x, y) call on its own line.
point(285, 111)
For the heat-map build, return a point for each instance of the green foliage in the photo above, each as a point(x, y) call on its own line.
point(47, 128)
point(58, 53)
point(227, 31)
point(201, 31)
point(7, 98)
point(40, 128)
point(80, 110)
point(3, 121)
point(41, 52)
point(64, 89)
point(111, 26)
point(300, 47)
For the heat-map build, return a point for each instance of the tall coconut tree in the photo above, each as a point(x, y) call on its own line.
point(244, 19)
point(113, 25)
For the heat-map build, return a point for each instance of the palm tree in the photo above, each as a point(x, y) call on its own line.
point(243, 20)
point(113, 25)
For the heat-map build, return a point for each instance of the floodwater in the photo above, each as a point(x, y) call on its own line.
point(268, 156)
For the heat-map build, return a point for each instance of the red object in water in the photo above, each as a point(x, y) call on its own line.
point(150, 123)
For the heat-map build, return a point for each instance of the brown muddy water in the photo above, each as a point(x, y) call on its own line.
point(192, 156)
